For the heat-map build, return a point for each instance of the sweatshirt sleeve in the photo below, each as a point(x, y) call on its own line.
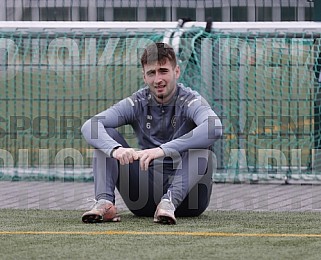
point(208, 129)
point(94, 130)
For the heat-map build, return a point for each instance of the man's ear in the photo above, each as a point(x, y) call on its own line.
point(177, 71)
point(143, 74)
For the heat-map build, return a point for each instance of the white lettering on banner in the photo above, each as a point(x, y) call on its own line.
point(64, 54)
point(237, 159)
point(8, 59)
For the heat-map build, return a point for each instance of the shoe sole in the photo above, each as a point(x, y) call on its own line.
point(163, 217)
point(93, 218)
point(166, 220)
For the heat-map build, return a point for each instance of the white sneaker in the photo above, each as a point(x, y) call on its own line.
point(164, 213)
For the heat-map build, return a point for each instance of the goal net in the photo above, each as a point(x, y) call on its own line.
point(262, 79)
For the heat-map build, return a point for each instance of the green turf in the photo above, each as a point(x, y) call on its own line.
point(156, 246)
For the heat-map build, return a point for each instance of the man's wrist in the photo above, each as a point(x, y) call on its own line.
point(162, 151)
point(112, 151)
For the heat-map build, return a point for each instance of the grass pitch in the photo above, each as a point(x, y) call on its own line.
point(53, 234)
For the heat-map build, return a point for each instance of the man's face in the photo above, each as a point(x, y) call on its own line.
point(161, 80)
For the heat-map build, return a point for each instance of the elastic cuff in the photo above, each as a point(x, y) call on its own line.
point(112, 151)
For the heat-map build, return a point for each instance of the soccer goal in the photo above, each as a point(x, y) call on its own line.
point(262, 79)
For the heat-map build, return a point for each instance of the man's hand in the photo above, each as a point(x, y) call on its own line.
point(125, 155)
point(128, 155)
point(147, 155)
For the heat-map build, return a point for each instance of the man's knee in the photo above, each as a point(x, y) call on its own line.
point(201, 160)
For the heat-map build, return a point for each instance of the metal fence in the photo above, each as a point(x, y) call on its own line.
point(153, 10)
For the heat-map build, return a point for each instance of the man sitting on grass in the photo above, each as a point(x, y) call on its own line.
point(171, 174)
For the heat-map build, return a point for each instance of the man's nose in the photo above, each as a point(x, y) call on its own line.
point(158, 78)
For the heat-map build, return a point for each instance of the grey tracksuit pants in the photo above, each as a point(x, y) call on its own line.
point(188, 177)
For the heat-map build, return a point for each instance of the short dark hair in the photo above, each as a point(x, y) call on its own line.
point(158, 52)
